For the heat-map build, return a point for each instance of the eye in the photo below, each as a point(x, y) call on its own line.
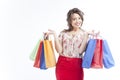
point(74, 19)
point(79, 18)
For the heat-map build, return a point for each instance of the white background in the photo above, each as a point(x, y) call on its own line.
point(22, 23)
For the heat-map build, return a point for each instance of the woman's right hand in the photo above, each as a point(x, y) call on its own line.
point(50, 32)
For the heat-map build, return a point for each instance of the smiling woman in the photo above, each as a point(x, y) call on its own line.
point(70, 45)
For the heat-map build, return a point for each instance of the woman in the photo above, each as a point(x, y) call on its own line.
point(71, 44)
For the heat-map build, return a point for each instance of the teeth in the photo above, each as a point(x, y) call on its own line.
point(77, 24)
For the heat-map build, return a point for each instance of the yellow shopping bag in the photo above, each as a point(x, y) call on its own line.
point(50, 59)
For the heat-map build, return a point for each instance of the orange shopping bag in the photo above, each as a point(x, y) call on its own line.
point(50, 59)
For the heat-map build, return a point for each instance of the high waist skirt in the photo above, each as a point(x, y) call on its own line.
point(69, 69)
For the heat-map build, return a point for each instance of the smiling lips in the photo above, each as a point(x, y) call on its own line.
point(77, 24)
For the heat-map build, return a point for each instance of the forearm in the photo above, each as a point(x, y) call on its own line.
point(84, 44)
point(58, 45)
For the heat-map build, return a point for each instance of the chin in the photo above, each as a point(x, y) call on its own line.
point(77, 27)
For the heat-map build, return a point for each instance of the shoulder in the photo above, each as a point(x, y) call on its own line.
point(63, 31)
point(84, 32)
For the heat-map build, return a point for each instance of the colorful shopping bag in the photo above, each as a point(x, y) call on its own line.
point(34, 52)
point(42, 58)
point(38, 55)
point(50, 59)
point(87, 59)
point(108, 60)
point(97, 60)
point(45, 57)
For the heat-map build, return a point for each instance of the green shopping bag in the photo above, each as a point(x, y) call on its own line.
point(34, 52)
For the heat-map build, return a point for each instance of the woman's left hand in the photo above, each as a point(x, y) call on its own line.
point(93, 33)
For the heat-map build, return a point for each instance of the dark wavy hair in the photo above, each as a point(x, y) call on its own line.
point(70, 12)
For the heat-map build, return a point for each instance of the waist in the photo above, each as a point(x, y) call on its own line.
point(72, 56)
point(61, 57)
point(69, 62)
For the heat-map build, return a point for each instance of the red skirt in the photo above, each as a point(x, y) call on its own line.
point(69, 69)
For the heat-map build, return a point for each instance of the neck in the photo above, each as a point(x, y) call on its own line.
point(76, 29)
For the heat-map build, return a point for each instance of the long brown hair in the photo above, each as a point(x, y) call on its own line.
point(70, 12)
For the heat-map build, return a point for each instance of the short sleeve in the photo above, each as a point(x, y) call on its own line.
point(60, 36)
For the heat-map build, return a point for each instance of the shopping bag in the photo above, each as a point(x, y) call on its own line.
point(108, 60)
point(50, 59)
point(42, 58)
point(87, 58)
point(45, 57)
point(38, 55)
point(97, 60)
point(34, 52)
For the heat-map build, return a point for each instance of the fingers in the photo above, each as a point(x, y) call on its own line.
point(45, 35)
point(93, 33)
point(49, 32)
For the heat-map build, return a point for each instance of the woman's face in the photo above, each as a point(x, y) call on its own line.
point(76, 20)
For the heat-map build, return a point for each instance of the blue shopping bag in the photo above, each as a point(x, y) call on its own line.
point(42, 59)
point(89, 52)
point(108, 60)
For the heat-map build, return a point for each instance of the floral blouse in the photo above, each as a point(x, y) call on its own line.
point(71, 44)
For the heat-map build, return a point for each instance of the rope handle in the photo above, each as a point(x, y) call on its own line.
point(45, 36)
point(96, 36)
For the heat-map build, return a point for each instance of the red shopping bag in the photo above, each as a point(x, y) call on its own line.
point(97, 60)
point(38, 55)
